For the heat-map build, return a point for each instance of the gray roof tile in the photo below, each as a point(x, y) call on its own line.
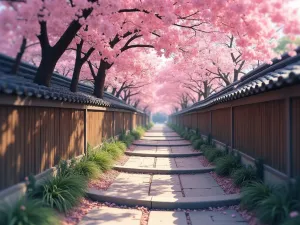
point(285, 72)
point(22, 85)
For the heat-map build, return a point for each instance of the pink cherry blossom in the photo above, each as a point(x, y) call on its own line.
point(294, 214)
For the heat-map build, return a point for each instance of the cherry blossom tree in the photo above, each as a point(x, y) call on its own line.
point(212, 41)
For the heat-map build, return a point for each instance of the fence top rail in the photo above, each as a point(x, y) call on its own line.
point(285, 72)
point(22, 85)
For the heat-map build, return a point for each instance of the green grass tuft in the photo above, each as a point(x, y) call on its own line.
point(244, 175)
point(138, 133)
point(28, 212)
point(126, 139)
point(194, 137)
point(149, 125)
point(254, 193)
point(86, 168)
point(112, 149)
point(275, 208)
point(61, 192)
point(121, 145)
point(227, 164)
point(212, 153)
point(197, 143)
point(292, 221)
point(102, 158)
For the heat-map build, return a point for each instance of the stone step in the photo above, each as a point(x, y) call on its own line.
point(161, 134)
point(162, 138)
point(155, 202)
point(161, 143)
point(224, 217)
point(112, 216)
point(163, 170)
point(120, 216)
point(161, 154)
point(163, 162)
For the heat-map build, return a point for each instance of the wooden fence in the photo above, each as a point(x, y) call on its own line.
point(261, 126)
point(35, 137)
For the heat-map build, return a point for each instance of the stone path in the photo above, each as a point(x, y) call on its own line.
point(164, 191)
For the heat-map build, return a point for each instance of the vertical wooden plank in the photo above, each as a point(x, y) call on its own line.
point(295, 135)
point(3, 144)
point(289, 142)
point(232, 126)
point(85, 124)
point(22, 124)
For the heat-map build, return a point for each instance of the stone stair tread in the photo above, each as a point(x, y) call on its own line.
point(162, 154)
point(163, 170)
point(157, 202)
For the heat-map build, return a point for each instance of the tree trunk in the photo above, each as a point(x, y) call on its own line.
point(236, 75)
point(51, 55)
point(75, 76)
point(226, 81)
point(46, 67)
point(114, 91)
point(17, 63)
point(100, 79)
point(119, 93)
point(205, 87)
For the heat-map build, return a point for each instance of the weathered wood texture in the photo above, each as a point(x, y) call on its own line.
point(295, 137)
point(256, 126)
point(259, 131)
point(107, 131)
point(203, 124)
point(119, 122)
point(194, 121)
point(95, 127)
point(33, 139)
point(187, 120)
point(221, 125)
point(127, 121)
point(133, 121)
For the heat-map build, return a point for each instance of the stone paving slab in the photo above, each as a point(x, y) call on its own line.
point(163, 149)
point(167, 218)
point(165, 179)
point(161, 134)
point(198, 181)
point(163, 162)
point(171, 194)
point(163, 138)
point(163, 154)
point(168, 183)
point(197, 192)
point(149, 149)
point(191, 162)
point(161, 143)
point(133, 185)
point(217, 218)
point(136, 161)
point(112, 216)
point(164, 170)
point(165, 187)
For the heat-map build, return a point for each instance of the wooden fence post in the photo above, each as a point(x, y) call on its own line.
point(114, 124)
point(289, 141)
point(210, 125)
point(85, 130)
point(232, 127)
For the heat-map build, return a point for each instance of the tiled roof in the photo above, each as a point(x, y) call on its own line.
point(281, 73)
point(22, 85)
